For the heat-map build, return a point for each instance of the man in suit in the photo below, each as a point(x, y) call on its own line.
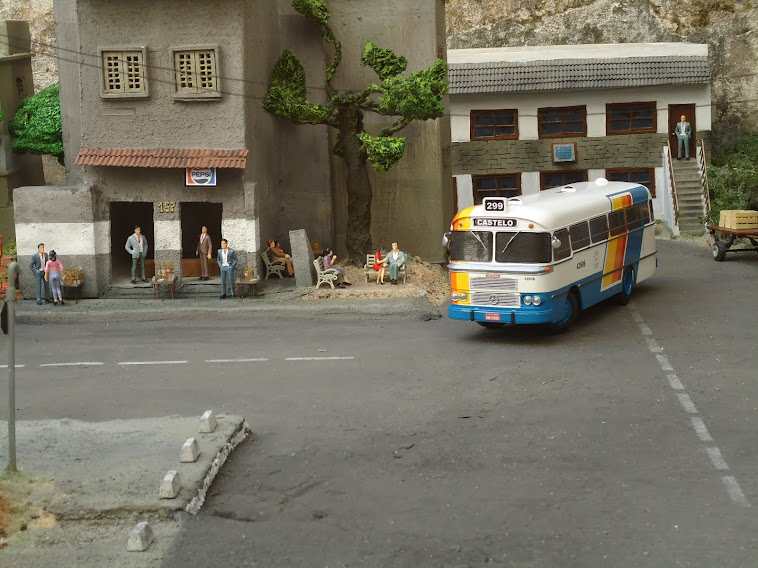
point(683, 131)
point(396, 260)
point(37, 265)
point(136, 245)
point(227, 262)
point(204, 248)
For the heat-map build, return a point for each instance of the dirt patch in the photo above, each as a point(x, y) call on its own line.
point(22, 502)
point(425, 280)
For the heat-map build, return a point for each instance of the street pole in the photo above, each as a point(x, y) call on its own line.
point(10, 299)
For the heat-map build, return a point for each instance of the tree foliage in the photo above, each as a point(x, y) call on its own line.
point(36, 126)
point(733, 178)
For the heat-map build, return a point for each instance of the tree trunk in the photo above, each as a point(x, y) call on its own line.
point(359, 194)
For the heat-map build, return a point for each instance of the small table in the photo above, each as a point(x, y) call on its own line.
point(76, 285)
point(156, 282)
point(252, 282)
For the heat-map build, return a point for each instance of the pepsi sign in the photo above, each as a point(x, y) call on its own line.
point(200, 176)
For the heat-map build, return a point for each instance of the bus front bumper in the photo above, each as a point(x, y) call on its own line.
point(543, 314)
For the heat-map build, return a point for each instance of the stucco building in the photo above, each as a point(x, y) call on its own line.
point(526, 119)
point(150, 88)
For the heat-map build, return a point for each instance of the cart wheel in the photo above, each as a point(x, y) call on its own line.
point(490, 324)
point(719, 251)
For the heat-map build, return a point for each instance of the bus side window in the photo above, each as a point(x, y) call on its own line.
point(633, 216)
point(616, 222)
point(647, 212)
point(599, 229)
point(580, 235)
point(563, 251)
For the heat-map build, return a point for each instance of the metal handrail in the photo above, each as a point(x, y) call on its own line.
point(672, 181)
point(704, 178)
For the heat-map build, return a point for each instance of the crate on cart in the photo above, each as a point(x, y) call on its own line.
point(736, 219)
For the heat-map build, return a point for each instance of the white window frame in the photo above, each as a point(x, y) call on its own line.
point(198, 94)
point(106, 94)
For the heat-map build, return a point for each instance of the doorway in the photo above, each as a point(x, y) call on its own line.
point(675, 114)
point(194, 216)
point(124, 216)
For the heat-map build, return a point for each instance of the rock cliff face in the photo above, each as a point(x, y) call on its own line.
point(39, 14)
point(727, 26)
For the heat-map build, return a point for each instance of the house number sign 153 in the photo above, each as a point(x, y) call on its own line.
point(166, 206)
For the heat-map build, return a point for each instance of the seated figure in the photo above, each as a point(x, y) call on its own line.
point(396, 259)
point(278, 256)
point(329, 258)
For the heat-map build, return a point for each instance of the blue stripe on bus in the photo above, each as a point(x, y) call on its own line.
point(639, 194)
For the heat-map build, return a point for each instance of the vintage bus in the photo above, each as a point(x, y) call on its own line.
point(542, 258)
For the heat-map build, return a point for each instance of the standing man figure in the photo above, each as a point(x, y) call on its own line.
point(396, 259)
point(227, 262)
point(683, 132)
point(136, 245)
point(38, 263)
point(204, 248)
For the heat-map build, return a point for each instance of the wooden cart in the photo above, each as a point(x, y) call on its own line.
point(721, 247)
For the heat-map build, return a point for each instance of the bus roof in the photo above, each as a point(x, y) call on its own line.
point(562, 206)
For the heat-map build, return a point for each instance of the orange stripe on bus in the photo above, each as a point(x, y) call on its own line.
point(614, 260)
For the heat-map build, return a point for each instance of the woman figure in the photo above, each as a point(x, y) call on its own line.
point(54, 275)
point(278, 256)
point(329, 259)
point(379, 265)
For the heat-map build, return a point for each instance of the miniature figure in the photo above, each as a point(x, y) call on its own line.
point(227, 262)
point(136, 245)
point(204, 248)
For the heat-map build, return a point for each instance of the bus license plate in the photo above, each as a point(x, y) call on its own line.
point(492, 317)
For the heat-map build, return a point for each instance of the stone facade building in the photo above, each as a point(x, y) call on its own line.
point(526, 119)
point(150, 88)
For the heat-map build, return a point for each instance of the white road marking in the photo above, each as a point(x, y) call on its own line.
point(687, 403)
point(123, 363)
point(645, 329)
point(733, 488)
point(251, 360)
point(700, 429)
point(636, 315)
point(664, 362)
point(75, 364)
point(675, 382)
point(17, 366)
point(717, 459)
point(319, 358)
point(652, 344)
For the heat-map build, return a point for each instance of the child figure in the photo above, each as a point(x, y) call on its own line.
point(54, 274)
point(379, 265)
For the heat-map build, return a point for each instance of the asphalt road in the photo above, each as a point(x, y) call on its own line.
point(629, 441)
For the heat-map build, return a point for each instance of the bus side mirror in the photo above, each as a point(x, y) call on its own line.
point(445, 239)
point(555, 242)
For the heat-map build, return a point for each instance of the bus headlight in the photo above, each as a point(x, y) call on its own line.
point(463, 296)
point(455, 296)
point(537, 301)
point(527, 300)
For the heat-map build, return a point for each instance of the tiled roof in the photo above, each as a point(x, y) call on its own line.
point(161, 158)
point(557, 74)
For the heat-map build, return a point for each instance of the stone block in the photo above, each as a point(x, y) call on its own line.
point(190, 451)
point(140, 537)
point(302, 259)
point(208, 422)
point(170, 485)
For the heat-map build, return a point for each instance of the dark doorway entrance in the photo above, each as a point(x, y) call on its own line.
point(675, 115)
point(194, 216)
point(124, 216)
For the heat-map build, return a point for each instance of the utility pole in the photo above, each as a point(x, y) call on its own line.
point(10, 304)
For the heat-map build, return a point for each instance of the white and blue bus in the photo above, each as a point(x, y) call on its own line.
point(542, 258)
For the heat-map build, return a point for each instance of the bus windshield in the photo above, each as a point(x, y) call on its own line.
point(471, 246)
point(517, 246)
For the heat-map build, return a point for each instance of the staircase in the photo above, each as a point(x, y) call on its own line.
point(689, 190)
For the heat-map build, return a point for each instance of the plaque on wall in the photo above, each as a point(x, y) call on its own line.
point(564, 152)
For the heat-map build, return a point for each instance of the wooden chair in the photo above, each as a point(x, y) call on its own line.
point(325, 276)
point(272, 267)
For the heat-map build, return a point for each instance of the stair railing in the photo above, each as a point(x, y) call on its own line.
point(672, 181)
point(702, 162)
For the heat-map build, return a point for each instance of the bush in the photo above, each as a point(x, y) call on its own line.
point(733, 178)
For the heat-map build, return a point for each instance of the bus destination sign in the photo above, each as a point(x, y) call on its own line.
point(502, 223)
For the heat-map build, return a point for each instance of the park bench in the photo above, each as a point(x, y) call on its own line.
point(369, 269)
point(325, 276)
point(272, 267)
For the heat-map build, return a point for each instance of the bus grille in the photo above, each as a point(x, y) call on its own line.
point(495, 284)
point(495, 299)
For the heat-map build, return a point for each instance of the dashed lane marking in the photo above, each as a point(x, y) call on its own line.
point(17, 366)
point(125, 363)
point(74, 364)
point(250, 360)
point(734, 491)
point(717, 459)
point(687, 403)
point(319, 358)
point(700, 429)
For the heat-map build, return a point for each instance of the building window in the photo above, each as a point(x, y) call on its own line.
point(557, 179)
point(642, 176)
point(561, 122)
point(500, 185)
point(196, 73)
point(494, 124)
point(123, 73)
point(630, 118)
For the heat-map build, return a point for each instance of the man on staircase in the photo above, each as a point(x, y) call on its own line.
point(683, 132)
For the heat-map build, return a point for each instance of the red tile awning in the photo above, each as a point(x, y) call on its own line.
point(161, 158)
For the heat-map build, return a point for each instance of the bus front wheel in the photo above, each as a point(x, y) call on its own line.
point(627, 283)
point(571, 312)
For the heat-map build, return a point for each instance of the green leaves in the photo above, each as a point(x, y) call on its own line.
point(316, 11)
point(384, 152)
point(733, 178)
point(286, 95)
point(419, 96)
point(37, 126)
point(384, 62)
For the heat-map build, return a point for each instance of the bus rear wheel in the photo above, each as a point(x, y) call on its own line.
point(627, 284)
point(571, 312)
